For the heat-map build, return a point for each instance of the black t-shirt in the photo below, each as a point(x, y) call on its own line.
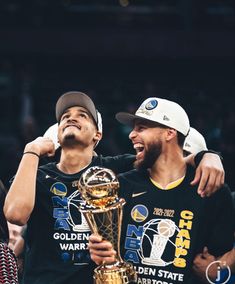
point(57, 234)
point(163, 230)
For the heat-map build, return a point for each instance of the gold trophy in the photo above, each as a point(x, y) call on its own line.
point(103, 212)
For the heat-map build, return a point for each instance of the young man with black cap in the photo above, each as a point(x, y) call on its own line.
point(46, 198)
point(166, 222)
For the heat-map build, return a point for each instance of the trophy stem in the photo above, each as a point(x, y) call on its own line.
point(107, 223)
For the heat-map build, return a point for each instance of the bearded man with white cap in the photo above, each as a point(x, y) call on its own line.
point(166, 222)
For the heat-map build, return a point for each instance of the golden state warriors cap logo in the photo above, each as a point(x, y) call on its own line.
point(139, 213)
point(59, 189)
point(151, 104)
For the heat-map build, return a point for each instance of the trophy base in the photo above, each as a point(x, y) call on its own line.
point(122, 273)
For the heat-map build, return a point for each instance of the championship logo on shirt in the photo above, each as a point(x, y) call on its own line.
point(139, 213)
point(76, 218)
point(160, 230)
point(59, 189)
point(159, 242)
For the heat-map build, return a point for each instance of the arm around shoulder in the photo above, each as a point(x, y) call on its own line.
point(209, 172)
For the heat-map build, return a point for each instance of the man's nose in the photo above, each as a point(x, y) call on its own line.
point(72, 119)
point(132, 134)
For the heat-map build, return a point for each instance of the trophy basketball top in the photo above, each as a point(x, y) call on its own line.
point(98, 187)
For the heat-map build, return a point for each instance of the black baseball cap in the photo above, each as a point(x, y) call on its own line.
point(75, 98)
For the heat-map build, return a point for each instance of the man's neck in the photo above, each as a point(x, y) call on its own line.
point(74, 160)
point(167, 169)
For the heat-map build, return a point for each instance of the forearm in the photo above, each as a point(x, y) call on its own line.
point(20, 199)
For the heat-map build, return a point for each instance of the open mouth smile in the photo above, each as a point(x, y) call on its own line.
point(139, 149)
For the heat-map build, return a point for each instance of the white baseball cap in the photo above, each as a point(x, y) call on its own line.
point(162, 111)
point(194, 142)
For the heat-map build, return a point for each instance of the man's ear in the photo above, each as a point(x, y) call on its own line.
point(170, 134)
point(97, 137)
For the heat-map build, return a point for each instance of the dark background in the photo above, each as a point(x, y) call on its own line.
point(119, 52)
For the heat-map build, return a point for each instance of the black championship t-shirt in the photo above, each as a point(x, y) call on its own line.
point(57, 234)
point(163, 230)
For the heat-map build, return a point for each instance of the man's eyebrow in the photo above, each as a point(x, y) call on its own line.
point(84, 111)
point(66, 111)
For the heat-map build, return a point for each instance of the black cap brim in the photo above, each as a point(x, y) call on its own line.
point(127, 118)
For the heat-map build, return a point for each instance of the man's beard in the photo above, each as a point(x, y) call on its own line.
point(150, 157)
point(69, 141)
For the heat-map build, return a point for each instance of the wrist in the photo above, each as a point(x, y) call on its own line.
point(32, 148)
point(198, 157)
point(31, 153)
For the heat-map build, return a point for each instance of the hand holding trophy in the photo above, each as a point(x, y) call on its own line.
point(103, 211)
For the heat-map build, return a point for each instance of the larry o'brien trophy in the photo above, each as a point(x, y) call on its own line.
point(103, 212)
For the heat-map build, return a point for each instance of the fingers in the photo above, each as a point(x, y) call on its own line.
point(95, 238)
point(212, 180)
point(201, 177)
point(197, 177)
point(51, 152)
point(102, 260)
point(220, 176)
point(209, 179)
point(101, 251)
point(46, 146)
point(104, 245)
point(209, 174)
point(207, 183)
